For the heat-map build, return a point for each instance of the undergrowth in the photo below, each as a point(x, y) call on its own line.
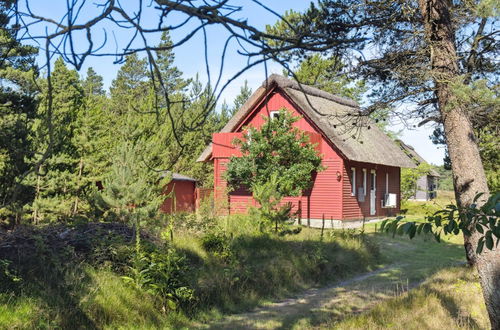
point(439, 303)
point(92, 275)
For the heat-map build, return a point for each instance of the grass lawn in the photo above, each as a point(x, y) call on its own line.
point(419, 284)
point(414, 284)
point(56, 285)
point(393, 291)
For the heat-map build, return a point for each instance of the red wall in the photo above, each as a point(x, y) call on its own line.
point(354, 209)
point(330, 194)
point(184, 197)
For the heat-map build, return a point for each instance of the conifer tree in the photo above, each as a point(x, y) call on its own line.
point(17, 112)
point(92, 84)
point(56, 180)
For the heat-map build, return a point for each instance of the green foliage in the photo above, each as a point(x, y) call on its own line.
point(445, 181)
point(241, 98)
point(131, 191)
point(409, 178)
point(17, 112)
point(163, 274)
point(270, 213)
point(455, 220)
point(275, 148)
point(218, 243)
point(277, 161)
point(326, 73)
point(57, 176)
point(92, 85)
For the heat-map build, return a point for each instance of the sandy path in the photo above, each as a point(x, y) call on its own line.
point(320, 305)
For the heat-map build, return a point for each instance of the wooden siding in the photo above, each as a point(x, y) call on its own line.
point(222, 145)
point(330, 195)
point(355, 209)
point(184, 192)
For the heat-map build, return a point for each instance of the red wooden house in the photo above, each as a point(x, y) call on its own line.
point(362, 164)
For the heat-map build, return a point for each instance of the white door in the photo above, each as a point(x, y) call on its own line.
point(373, 192)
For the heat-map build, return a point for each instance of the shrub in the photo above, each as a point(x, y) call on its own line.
point(163, 274)
point(218, 243)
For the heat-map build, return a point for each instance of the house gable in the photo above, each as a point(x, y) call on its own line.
point(277, 99)
point(338, 120)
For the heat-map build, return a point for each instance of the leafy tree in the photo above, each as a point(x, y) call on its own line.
point(17, 112)
point(132, 191)
point(409, 178)
point(277, 161)
point(171, 75)
point(445, 178)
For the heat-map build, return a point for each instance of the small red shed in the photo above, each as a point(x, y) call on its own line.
point(183, 199)
point(362, 164)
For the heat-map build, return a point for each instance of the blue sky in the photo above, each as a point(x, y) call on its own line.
point(191, 60)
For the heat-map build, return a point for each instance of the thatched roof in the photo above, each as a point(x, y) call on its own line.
point(356, 137)
point(415, 157)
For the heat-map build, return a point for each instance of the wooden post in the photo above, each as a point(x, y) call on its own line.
point(322, 226)
point(300, 213)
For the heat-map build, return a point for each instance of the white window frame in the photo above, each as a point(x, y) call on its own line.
point(353, 181)
point(364, 181)
point(374, 187)
point(272, 114)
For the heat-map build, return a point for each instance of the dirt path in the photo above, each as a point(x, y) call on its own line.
point(320, 305)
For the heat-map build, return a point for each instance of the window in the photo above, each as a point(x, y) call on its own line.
point(274, 114)
point(364, 181)
point(353, 181)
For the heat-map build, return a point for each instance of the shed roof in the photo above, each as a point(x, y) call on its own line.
point(355, 136)
point(178, 177)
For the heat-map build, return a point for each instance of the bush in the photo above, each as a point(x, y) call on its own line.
point(219, 244)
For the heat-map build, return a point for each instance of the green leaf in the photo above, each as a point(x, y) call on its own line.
point(420, 227)
point(492, 221)
point(489, 241)
point(477, 197)
point(480, 245)
point(382, 225)
point(479, 228)
point(412, 231)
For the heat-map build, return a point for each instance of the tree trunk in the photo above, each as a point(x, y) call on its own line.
point(80, 170)
point(468, 172)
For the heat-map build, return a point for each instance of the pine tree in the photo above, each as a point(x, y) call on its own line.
point(241, 98)
point(57, 180)
point(17, 112)
point(131, 86)
point(92, 85)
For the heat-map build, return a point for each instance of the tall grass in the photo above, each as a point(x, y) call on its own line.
point(450, 299)
point(63, 287)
